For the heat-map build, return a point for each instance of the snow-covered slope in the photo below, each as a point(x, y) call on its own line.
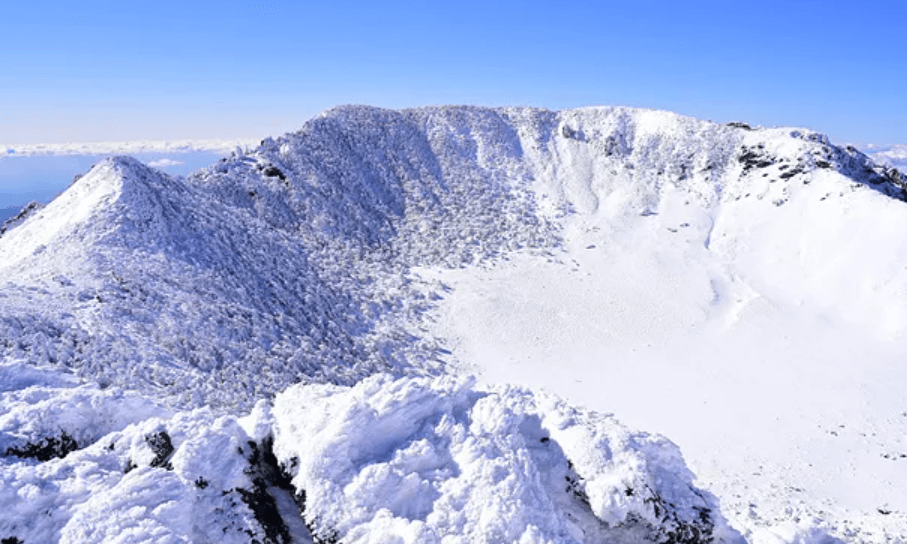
point(735, 288)
point(141, 279)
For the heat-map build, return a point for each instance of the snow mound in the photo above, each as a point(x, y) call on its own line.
point(420, 460)
point(47, 414)
point(389, 460)
point(188, 477)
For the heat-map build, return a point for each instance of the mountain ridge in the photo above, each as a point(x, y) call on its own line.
point(370, 183)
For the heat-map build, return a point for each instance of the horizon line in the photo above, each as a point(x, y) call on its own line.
point(186, 145)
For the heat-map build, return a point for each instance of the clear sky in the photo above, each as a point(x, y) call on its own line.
point(101, 70)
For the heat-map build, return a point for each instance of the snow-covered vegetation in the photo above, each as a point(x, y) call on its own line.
point(334, 281)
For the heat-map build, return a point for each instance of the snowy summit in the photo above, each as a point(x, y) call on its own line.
point(277, 348)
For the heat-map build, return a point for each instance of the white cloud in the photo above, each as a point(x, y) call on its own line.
point(891, 155)
point(127, 148)
point(164, 163)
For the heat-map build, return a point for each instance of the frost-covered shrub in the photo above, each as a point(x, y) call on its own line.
point(191, 477)
point(46, 414)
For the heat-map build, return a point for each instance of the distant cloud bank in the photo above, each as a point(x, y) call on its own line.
point(164, 163)
point(891, 155)
point(126, 148)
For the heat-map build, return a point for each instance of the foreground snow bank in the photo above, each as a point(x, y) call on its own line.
point(81, 465)
point(438, 460)
point(46, 413)
point(406, 460)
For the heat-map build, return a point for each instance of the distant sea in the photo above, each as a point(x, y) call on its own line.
point(41, 178)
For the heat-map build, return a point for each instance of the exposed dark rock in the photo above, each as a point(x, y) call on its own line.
point(816, 137)
point(47, 449)
point(754, 158)
point(273, 171)
point(699, 530)
point(572, 134)
point(264, 508)
point(791, 173)
point(265, 472)
point(162, 447)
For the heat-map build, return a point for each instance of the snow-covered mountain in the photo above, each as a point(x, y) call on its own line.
point(681, 273)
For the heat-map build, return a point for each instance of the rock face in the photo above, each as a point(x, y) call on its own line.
point(19, 217)
point(292, 262)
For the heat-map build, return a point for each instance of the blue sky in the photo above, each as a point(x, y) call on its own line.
point(166, 69)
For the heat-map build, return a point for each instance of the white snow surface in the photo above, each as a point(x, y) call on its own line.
point(738, 290)
point(406, 460)
point(441, 461)
point(124, 485)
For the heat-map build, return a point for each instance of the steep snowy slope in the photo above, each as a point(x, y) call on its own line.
point(134, 277)
point(264, 270)
point(737, 289)
point(748, 285)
